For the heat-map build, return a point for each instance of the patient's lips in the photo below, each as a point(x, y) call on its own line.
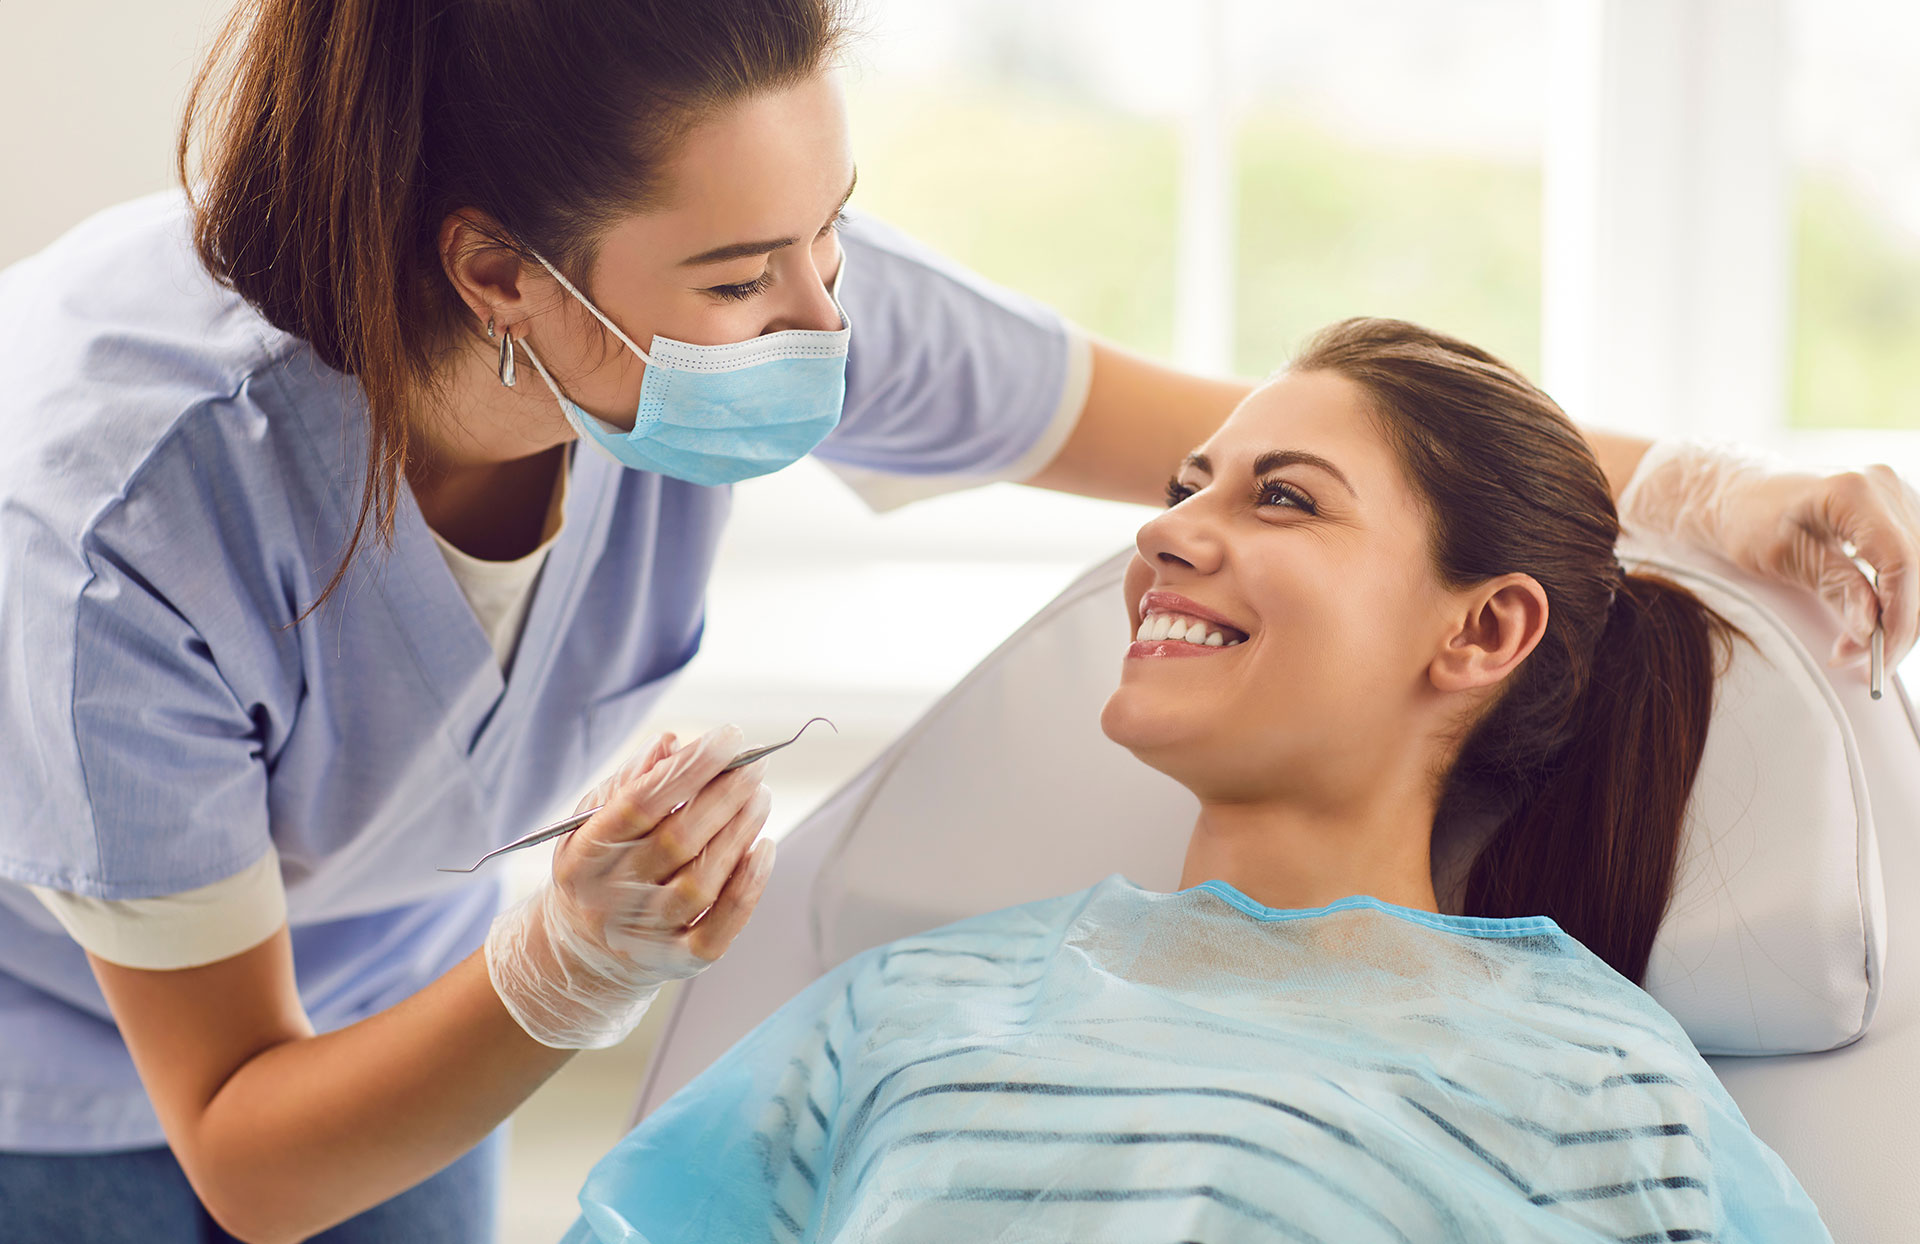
point(1172, 625)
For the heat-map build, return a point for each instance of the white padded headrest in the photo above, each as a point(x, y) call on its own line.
point(1006, 791)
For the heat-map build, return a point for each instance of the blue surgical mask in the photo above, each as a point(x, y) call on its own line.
point(720, 414)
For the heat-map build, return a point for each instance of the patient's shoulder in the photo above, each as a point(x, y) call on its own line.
point(1009, 937)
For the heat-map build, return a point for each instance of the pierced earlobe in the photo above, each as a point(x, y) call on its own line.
point(489, 328)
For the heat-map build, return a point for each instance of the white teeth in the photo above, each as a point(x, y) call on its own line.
point(1172, 626)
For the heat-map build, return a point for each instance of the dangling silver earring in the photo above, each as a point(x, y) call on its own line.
point(506, 358)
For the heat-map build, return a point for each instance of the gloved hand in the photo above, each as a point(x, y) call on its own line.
point(652, 889)
point(1792, 526)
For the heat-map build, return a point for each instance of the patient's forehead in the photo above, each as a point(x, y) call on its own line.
point(1317, 412)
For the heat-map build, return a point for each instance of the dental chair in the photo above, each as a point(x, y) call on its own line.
point(1771, 953)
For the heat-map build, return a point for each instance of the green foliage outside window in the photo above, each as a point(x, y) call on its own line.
point(1075, 206)
point(1856, 342)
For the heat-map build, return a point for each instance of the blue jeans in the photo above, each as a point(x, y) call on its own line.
point(142, 1197)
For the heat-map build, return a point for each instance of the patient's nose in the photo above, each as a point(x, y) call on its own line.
point(1181, 537)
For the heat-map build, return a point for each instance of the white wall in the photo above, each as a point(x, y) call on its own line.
point(91, 93)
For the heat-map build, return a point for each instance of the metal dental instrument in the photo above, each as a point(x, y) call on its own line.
point(1877, 645)
point(571, 823)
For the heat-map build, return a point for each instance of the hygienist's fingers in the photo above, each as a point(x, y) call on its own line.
point(1892, 548)
point(709, 939)
point(1846, 590)
point(637, 806)
point(697, 886)
point(1875, 511)
point(1900, 611)
point(661, 746)
point(682, 835)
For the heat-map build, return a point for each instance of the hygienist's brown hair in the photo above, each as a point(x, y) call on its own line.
point(335, 136)
point(1593, 744)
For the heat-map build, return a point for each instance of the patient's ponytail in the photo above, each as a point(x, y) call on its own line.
point(1595, 843)
point(1592, 747)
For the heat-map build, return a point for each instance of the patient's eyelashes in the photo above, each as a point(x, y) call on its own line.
point(1271, 492)
point(1279, 492)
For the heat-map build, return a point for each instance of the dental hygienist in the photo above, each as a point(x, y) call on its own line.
point(308, 583)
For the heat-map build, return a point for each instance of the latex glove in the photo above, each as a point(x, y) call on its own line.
point(652, 889)
point(1792, 526)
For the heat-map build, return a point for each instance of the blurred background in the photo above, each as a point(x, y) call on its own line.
point(1695, 217)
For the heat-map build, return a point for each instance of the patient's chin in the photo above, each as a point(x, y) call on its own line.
point(1194, 745)
point(1150, 731)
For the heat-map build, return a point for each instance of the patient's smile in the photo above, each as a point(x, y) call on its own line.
point(1171, 625)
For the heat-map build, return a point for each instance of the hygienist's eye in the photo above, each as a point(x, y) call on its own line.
point(838, 223)
point(1279, 492)
point(1177, 492)
point(744, 290)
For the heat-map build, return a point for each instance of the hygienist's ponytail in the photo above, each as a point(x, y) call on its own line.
point(335, 136)
point(1592, 746)
point(310, 197)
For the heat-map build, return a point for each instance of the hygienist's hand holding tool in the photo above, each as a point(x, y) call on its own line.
point(567, 825)
point(652, 888)
point(1797, 527)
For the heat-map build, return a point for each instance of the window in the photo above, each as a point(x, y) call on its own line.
point(1853, 116)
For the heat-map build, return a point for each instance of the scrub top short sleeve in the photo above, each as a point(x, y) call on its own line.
point(144, 773)
point(952, 381)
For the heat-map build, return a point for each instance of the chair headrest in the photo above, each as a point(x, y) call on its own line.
point(1006, 792)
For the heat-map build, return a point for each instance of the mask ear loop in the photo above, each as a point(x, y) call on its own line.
point(610, 325)
point(573, 414)
point(566, 408)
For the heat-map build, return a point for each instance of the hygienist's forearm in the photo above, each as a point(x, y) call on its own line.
point(310, 1132)
point(1140, 419)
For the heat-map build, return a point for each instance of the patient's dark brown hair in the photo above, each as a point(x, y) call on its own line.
point(1595, 741)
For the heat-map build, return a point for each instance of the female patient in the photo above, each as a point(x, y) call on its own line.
point(1384, 590)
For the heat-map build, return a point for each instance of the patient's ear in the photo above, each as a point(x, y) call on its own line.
point(1498, 623)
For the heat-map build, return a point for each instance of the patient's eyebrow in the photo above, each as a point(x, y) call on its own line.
point(740, 250)
point(1274, 459)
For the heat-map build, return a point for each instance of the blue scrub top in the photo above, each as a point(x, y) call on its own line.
point(177, 479)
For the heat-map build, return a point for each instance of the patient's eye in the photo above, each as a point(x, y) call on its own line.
point(1177, 492)
point(1279, 492)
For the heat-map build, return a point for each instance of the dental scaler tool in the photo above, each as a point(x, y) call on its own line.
point(571, 823)
point(1877, 662)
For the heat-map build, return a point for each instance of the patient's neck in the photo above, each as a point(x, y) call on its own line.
point(1286, 853)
